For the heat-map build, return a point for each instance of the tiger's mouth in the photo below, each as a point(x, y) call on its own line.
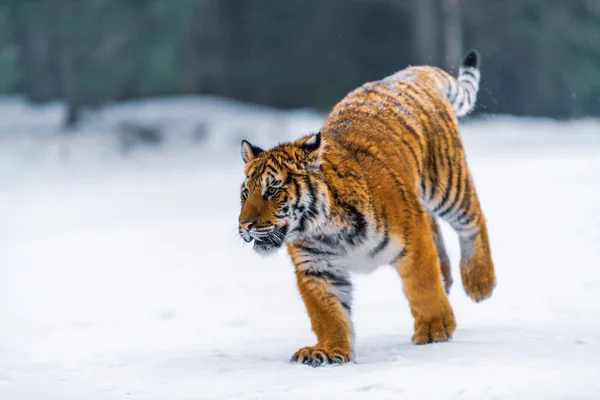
point(270, 242)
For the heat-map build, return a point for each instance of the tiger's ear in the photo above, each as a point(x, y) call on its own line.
point(313, 143)
point(313, 148)
point(249, 151)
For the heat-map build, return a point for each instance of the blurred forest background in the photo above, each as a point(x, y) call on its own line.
point(539, 57)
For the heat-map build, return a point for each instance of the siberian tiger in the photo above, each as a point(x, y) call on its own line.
point(366, 191)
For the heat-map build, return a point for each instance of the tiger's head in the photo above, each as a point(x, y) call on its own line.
point(282, 193)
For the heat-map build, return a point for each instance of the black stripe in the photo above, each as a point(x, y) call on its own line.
point(314, 251)
point(457, 194)
point(468, 93)
point(341, 283)
point(346, 306)
point(327, 240)
point(468, 71)
point(468, 220)
point(446, 193)
point(335, 280)
point(465, 204)
point(423, 187)
point(359, 226)
point(433, 176)
point(324, 209)
point(311, 193)
point(277, 164)
point(468, 83)
point(398, 256)
point(311, 212)
point(269, 167)
point(382, 244)
point(446, 153)
point(297, 187)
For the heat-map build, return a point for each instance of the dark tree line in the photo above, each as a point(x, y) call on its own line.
point(540, 57)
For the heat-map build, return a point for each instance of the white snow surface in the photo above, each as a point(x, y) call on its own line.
point(121, 275)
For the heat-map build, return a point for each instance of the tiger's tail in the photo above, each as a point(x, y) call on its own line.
point(462, 91)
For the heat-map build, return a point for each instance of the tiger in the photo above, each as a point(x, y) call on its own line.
point(368, 190)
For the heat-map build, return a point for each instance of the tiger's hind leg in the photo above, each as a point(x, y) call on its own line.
point(419, 268)
point(442, 254)
point(476, 266)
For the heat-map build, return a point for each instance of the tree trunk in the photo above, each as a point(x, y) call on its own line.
point(453, 46)
point(425, 28)
point(69, 88)
point(73, 115)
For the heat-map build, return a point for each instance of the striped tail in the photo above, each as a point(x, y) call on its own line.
point(462, 91)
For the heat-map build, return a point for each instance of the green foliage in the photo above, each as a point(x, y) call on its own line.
point(540, 57)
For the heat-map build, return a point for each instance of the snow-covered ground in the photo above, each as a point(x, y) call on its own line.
point(121, 275)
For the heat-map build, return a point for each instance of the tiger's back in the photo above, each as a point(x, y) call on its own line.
point(408, 121)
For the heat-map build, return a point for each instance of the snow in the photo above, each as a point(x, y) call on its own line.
point(121, 275)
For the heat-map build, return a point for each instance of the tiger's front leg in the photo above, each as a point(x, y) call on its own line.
point(327, 296)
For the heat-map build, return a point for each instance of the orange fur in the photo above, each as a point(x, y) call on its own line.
point(328, 320)
point(364, 192)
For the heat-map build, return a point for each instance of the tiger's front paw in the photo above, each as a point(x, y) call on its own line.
point(316, 356)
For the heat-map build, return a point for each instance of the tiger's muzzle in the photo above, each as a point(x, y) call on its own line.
point(266, 240)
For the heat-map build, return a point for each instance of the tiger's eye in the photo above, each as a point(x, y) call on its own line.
point(271, 191)
point(245, 193)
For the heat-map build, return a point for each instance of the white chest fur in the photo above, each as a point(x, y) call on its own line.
point(361, 259)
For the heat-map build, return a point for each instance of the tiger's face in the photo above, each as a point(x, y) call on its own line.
point(275, 197)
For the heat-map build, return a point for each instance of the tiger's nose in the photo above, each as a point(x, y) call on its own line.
point(248, 224)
